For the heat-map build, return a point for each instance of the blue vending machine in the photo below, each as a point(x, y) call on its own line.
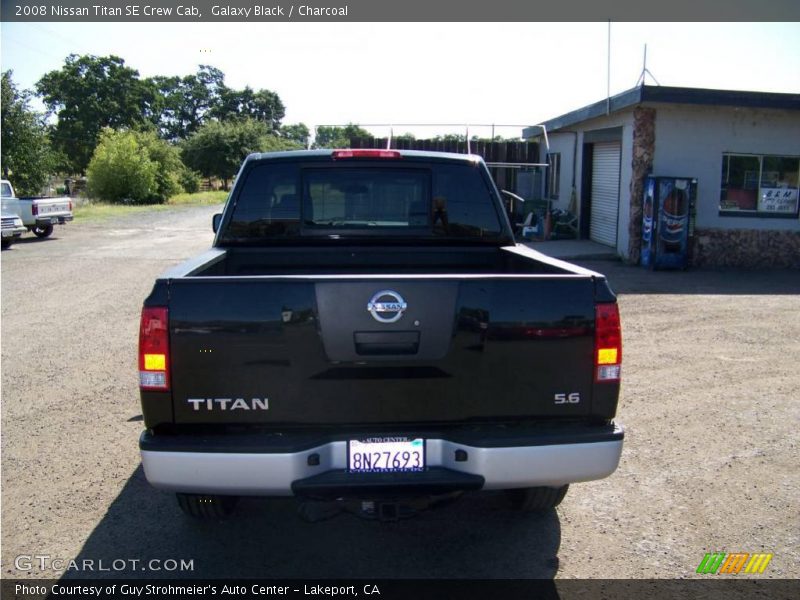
point(668, 212)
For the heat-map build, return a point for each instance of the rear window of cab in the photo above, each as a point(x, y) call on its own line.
point(413, 199)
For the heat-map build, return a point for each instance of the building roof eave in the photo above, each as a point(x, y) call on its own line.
point(598, 109)
point(669, 95)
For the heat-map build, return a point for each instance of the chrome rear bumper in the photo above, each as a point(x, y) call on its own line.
point(274, 473)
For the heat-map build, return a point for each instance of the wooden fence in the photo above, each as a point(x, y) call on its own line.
point(492, 152)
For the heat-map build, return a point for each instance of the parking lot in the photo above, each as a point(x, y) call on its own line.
point(709, 402)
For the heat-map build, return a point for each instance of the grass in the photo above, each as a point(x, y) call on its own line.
point(198, 199)
point(101, 210)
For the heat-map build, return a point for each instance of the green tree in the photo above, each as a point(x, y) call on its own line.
point(405, 136)
point(92, 92)
point(451, 137)
point(460, 137)
point(338, 137)
point(261, 105)
point(217, 149)
point(26, 154)
point(185, 103)
point(121, 170)
point(297, 132)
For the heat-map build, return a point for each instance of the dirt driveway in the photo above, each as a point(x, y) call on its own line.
point(710, 402)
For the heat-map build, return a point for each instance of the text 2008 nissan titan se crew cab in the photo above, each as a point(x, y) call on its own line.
point(365, 332)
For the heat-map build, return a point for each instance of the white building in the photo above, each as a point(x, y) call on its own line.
point(742, 147)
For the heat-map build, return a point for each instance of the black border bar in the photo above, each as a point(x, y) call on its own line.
point(711, 588)
point(195, 11)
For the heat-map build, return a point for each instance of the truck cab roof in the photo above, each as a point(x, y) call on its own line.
point(366, 153)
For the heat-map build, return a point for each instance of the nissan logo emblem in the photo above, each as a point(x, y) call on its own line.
point(387, 306)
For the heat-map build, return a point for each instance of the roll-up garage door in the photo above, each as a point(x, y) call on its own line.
point(605, 193)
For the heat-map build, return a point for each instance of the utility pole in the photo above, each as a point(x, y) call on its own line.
point(608, 72)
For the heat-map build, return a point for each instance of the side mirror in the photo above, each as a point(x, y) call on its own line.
point(215, 221)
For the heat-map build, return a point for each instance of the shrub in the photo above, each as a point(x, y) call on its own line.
point(135, 166)
point(169, 167)
point(190, 180)
point(120, 171)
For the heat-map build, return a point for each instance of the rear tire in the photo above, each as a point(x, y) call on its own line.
point(42, 231)
point(202, 506)
point(537, 499)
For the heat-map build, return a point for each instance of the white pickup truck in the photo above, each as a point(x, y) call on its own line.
point(12, 226)
point(38, 214)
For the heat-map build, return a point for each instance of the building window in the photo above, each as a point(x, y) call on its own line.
point(759, 185)
point(553, 174)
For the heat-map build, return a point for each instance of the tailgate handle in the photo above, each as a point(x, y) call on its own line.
point(381, 343)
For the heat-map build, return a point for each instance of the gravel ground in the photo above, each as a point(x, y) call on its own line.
point(710, 404)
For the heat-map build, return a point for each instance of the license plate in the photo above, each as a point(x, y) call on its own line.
point(390, 454)
point(54, 220)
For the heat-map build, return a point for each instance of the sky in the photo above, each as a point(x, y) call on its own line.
point(427, 73)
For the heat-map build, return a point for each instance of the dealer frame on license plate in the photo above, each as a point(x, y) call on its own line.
point(386, 454)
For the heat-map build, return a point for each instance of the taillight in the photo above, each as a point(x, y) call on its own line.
point(365, 153)
point(34, 209)
point(607, 343)
point(70, 206)
point(154, 349)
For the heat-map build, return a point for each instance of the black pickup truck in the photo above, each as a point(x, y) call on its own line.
point(365, 329)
